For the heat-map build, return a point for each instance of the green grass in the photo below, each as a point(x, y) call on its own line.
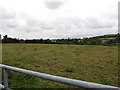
point(109, 38)
point(97, 64)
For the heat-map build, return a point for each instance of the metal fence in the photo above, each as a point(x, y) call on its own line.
point(73, 82)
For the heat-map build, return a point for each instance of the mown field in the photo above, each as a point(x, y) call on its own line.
point(97, 64)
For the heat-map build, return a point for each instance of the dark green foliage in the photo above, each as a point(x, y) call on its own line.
point(105, 40)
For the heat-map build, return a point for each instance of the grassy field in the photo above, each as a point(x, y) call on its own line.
point(97, 64)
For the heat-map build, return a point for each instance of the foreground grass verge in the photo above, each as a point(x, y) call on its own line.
point(97, 64)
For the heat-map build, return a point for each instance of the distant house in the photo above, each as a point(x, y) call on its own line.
point(104, 41)
point(117, 43)
point(53, 40)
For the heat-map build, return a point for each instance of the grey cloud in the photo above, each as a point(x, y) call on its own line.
point(31, 22)
point(67, 24)
point(70, 24)
point(43, 25)
point(77, 22)
point(58, 28)
point(54, 4)
point(11, 23)
point(7, 13)
point(27, 29)
point(95, 23)
point(112, 13)
point(47, 27)
point(8, 18)
point(92, 23)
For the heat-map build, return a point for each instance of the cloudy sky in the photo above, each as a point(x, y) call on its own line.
point(28, 19)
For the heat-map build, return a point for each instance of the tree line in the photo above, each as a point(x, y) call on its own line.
point(112, 39)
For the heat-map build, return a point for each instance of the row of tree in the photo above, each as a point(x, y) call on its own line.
point(112, 39)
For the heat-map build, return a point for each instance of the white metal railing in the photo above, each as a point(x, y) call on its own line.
point(1, 86)
point(63, 80)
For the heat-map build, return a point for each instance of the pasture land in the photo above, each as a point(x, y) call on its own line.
point(90, 63)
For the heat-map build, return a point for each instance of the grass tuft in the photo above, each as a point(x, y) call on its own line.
point(71, 70)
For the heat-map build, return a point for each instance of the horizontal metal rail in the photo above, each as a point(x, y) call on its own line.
point(73, 82)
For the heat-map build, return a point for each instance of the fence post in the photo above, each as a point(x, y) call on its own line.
point(5, 78)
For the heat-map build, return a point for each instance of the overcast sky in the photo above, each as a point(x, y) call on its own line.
point(28, 19)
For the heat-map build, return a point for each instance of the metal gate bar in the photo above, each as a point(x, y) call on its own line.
point(1, 86)
point(73, 82)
